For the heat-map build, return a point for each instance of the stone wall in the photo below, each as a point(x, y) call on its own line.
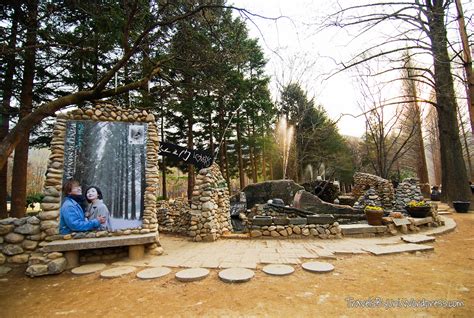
point(174, 216)
point(19, 239)
point(383, 188)
point(210, 206)
point(322, 231)
point(407, 191)
point(102, 111)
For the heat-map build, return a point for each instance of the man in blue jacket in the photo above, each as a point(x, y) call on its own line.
point(72, 218)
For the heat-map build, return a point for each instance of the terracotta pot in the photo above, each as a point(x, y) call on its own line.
point(374, 217)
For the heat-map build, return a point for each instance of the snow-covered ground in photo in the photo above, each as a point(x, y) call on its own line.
point(118, 224)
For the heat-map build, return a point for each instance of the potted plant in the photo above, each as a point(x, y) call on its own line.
point(418, 209)
point(374, 214)
point(461, 206)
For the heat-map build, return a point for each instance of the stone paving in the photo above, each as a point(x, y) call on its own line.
point(226, 253)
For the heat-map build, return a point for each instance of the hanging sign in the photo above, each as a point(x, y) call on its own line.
point(198, 158)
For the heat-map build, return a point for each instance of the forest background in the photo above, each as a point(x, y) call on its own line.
point(194, 65)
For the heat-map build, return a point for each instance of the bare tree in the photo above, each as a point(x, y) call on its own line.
point(467, 63)
point(421, 27)
point(414, 120)
point(386, 137)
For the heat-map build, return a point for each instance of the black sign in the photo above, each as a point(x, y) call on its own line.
point(200, 159)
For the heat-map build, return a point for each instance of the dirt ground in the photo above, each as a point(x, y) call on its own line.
point(447, 273)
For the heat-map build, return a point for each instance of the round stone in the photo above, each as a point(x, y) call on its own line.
point(117, 271)
point(154, 272)
point(236, 275)
point(192, 274)
point(88, 268)
point(278, 269)
point(318, 267)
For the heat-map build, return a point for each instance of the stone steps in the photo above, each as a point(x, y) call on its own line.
point(397, 248)
point(356, 229)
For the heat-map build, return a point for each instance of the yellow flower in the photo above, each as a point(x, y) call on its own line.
point(414, 203)
point(373, 208)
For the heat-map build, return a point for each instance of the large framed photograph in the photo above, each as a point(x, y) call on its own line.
point(112, 157)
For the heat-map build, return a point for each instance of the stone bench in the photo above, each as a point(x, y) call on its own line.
point(136, 246)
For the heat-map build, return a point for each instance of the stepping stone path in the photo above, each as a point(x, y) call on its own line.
point(117, 271)
point(154, 272)
point(192, 274)
point(418, 238)
point(236, 275)
point(278, 270)
point(318, 267)
point(88, 269)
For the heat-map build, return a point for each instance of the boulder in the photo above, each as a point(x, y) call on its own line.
point(37, 270)
point(28, 229)
point(14, 238)
point(260, 193)
point(307, 201)
point(11, 249)
point(57, 266)
point(6, 228)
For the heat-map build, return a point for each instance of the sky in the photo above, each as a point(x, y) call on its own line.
point(299, 51)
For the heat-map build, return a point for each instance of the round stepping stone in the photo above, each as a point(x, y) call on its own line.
point(88, 268)
point(236, 275)
point(154, 272)
point(318, 267)
point(192, 274)
point(278, 270)
point(117, 271)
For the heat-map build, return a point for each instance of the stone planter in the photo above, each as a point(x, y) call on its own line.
point(418, 211)
point(320, 219)
point(297, 221)
point(262, 220)
point(281, 221)
point(461, 206)
point(374, 217)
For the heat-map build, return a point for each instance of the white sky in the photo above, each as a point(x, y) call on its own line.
point(297, 52)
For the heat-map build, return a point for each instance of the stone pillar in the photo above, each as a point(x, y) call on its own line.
point(210, 206)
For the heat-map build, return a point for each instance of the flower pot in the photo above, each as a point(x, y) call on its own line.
point(461, 206)
point(374, 217)
point(418, 211)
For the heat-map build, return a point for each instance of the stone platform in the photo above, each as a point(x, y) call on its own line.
point(180, 252)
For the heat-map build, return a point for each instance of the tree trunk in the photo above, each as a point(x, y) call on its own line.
point(142, 182)
point(127, 182)
point(251, 153)
point(190, 146)
point(455, 184)
point(255, 159)
point(466, 146)
point(227, 172)
point(164, 192)
point(264, 163)
point(5, 110)
point(222, 131)
point(467, 64)
point(272, 177)
point(20, 163)
point(133, 210)
point(239, 152)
